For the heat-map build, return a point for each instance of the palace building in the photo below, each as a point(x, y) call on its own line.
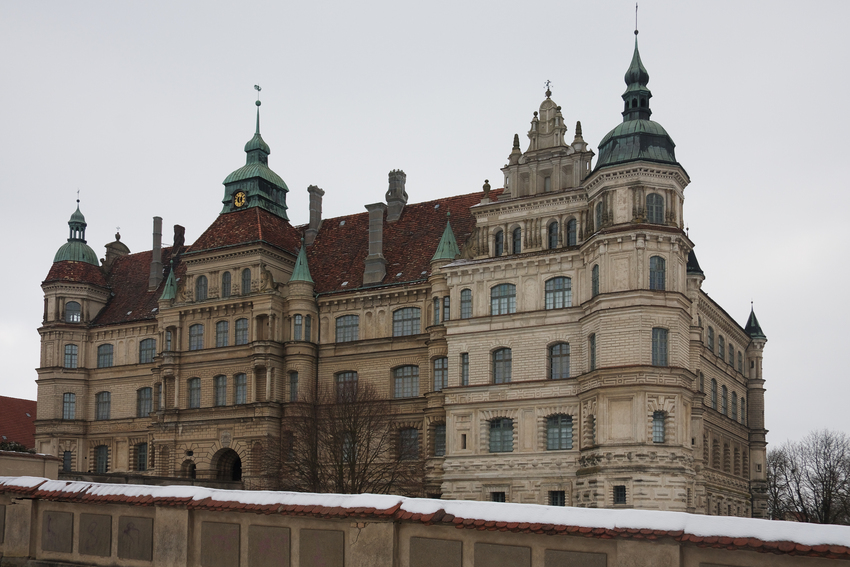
point(548, 342)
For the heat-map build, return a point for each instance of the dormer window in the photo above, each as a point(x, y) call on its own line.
point(73, 312)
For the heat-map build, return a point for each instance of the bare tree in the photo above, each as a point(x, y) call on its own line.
point(346, 441)
point(809, 481)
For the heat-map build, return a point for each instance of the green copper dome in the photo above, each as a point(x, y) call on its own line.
point(637, 137)
point(257, 143)
point(76, 249)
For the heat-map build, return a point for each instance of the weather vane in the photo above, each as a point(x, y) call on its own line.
point(636, 10)
point(78, 196)
point(548, 88)
point(258, 88)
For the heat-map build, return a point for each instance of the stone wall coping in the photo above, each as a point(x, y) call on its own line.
point(731, 533)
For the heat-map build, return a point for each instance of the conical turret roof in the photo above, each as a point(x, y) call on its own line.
point(753, 329)
point(301, 272)
point(447, 249)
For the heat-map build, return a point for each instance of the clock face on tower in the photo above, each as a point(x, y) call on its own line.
point(239, 199)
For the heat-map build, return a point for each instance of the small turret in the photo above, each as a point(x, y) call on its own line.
point(396, 195)
point(76, 249)
point(447, 249)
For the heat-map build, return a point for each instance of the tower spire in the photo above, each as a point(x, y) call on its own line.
point(258, 103)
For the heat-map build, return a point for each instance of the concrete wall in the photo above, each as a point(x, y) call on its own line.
point(13, 463)
point(137, 533)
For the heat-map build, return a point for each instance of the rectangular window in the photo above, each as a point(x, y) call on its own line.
point(69, 406)
point(298, 328)
point(502, 435)
point(591, 347)
point(194, 392)
point(620, 494)
point(406, 322)
point(557, 498)
point(104, 356)
point(440, 440)
point(102, 403)
point(143, 402)
point(293, 386)
point(101, 459)
point(347, 328)
point(406, 381)
point(242, 331)
point(307, 331)
point(220, 386)
point(147, 351)
point(658, 427)
point(241, 389)
point(142, 457)
point(67, 461)
point(497, 496)
point(409, 444)
point(436, 310)
point(441, 373)
point(502, 360)
point(71, 356)
point(446, 308)
point(168, 341)
point(466, 304)
point(158, 392)
point(196, 337)
point(222, 334)
point(464, 369)
point(346, 386)
point(659, 347)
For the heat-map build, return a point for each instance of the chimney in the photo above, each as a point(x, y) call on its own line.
point(376, 264)
point(396, 195)
point(316, 195)
point(156, 257)
point(179, 240)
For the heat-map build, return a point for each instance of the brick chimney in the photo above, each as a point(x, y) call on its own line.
point(156, 256)
point(316, 195)
point(396, 195)
point(375, 264)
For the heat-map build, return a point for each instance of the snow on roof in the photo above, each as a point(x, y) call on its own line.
point(515, 517)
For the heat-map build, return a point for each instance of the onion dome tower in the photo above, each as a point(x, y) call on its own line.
point(76, 249)
point(255, 184)
point(637, 137)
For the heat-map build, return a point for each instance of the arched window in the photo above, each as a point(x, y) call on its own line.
point(559, 432)
point(347, 328)
point(559, 361)
point(298, 328)
point(101, 459)
point(144, 402)
point(711, 339)
point(246, 281)
point(598, 215)
point(502, 435)
point(559, 293)
point(408, 446)
point(658, 426)
point(194, 392)
point(655, 208)
point(102, 405)
point(196, 337)
point(71, 356)
point(241, 387)
point(441, 373)
point(104, 356)
point(734, 415)
point(226, 286)
point(571, 232)
point(220, 387)
point(594, 281)
point(659, 346)
point(406, 322)
point(721, 347)
point(657, 273)
point(346, 386)
point(553, 235)
point(516, 241)
point(503, 299)
point(713, 394)
point(724, 400)
point(502, 366)
point(222, 333)
point(147, 351)
point(201, 288)
point(73, 312)
point(69, 406)
point(406, 381)
point(242, 331)
point(465, 303)
point(498, 243)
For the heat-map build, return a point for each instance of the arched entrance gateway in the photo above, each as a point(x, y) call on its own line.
point(227, 465)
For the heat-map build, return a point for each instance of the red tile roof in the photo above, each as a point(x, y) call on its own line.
point(243, 227)
point(17, 421)
point(399, 509)
point(68, 270)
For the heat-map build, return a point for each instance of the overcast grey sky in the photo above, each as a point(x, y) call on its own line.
point(145, 107)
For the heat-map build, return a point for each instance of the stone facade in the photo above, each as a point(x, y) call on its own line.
point(565, 350)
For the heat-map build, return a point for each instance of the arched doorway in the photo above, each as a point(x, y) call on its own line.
point(228, 465)
point(188, 469)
